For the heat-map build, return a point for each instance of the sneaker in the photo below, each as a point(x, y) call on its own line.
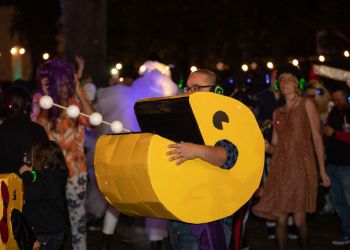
point(342, 241)
point(94, 225)
point(94, 228)
point(271, 230)
point(271, 236)
point(292, 236)
point(292, 231)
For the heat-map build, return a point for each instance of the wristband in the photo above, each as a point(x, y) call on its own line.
point(34, 175)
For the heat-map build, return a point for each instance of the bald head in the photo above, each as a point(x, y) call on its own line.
point(201, 77)
point(206, 75)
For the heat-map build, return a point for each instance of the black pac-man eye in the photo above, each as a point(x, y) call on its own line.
point(218, 118)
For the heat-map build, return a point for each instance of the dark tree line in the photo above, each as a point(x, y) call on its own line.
point(182, 32)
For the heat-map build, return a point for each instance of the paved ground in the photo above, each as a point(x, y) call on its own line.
point(130, 235)
point(322, 228)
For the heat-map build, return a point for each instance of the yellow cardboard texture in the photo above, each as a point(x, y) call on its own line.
point(13, 184)
point(136, 176)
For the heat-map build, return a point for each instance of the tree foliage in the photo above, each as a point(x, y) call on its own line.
point(199, 32)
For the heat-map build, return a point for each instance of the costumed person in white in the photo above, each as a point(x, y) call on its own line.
point(117, 103)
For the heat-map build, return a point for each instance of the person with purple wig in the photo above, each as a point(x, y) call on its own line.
point(58, 80)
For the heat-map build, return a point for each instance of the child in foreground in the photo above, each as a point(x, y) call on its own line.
point(44, 193)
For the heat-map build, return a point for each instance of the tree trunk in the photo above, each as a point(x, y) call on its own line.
point(85, 31)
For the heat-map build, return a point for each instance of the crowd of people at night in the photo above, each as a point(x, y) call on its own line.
point(306, 128)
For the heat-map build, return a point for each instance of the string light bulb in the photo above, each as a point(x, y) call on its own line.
point(46, 56)
point(114, 71)
point(14, 51)
point(118, 66)
point(193, 68)
point(295, 62)
point(321, 58)
point(270, 65)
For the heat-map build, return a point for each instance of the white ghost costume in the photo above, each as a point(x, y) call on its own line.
point(117, 103)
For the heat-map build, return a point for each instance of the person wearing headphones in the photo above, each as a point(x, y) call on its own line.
point(291, 186)
point(224, 155)
point(337, 131)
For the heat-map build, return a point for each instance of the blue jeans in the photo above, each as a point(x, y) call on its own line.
point(181, 236)
point(227, 231)
point(50, 241)
point(340, 194)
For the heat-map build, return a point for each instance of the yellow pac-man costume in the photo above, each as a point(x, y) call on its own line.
point(136, 176)
point(11, 198)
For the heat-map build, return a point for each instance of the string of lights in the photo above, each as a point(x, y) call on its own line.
point(245, 67)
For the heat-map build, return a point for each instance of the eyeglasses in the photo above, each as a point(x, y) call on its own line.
point(195, 88)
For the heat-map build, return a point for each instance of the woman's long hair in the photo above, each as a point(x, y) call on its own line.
point(47, 155)
point(56, 71)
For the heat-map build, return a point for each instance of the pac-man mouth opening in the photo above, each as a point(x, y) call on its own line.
point(171, 118)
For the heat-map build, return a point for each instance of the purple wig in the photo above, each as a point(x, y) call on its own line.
point(56, 71)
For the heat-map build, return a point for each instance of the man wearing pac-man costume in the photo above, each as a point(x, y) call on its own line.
point(136, 176)
point(224, 154)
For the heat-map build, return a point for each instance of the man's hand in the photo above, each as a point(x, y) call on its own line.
point(328, 131)
point(25, 168)
point(183, 151)
point(36, 245)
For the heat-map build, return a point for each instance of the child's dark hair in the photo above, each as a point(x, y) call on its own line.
point(47, 155)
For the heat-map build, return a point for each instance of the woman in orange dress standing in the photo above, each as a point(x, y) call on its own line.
point(291, 186)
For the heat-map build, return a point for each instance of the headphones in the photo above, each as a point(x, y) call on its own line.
point(347, 95)
point(301, 84)
point(319, 91)
point(217, 89)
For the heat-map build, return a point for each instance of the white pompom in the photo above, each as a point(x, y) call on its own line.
point(73, 111)
point(95, 119)
point(46, 102)
point(117, 127)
